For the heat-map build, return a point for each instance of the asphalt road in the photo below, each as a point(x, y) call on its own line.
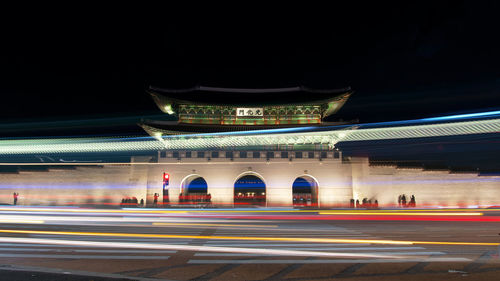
point(49, 243)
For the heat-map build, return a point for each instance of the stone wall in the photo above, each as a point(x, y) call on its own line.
point(337, 182)
point(431, 188)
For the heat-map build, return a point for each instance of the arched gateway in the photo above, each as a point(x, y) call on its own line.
point(305, 192)
point(249, 190)
point(194, 190)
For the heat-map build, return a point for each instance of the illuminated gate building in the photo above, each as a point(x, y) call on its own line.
point(261, 173)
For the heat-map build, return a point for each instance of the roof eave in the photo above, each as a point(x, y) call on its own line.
point(163, 101)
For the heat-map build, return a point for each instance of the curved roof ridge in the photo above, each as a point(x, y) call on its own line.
point(249, 90)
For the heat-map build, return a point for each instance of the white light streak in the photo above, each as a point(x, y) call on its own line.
point(108, 244)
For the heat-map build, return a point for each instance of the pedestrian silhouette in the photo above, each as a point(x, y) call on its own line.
point(15, 198)
point(412, 201)
point(155, 201)
point(364, 202)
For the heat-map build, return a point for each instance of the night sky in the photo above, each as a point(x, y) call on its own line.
point(403, 61)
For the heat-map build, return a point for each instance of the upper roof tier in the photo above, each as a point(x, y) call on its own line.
point(169, 99)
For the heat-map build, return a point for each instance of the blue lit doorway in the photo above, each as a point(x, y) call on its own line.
point(305, 192)
point(249, 191)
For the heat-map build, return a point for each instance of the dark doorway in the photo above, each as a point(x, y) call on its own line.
point(194, 191)
point(305, 192)
point(249, 190)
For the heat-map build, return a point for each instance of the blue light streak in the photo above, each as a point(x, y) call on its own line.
point(457, 117)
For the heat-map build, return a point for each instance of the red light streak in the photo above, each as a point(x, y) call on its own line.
point(365, 218)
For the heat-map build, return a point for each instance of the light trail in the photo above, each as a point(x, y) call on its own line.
point(421, 128)
point(143, 210)
point(288, 239)
point(399, 214)
point(91, 210)
point(264, 215)
point(361, 217)
point(211, 224)
point(420, 209)
point(22, 221)
point(189, 248)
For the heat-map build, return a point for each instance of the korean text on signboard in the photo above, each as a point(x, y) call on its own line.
point(249, 112)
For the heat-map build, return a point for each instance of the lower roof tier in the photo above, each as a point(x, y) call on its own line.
point(157, 128)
